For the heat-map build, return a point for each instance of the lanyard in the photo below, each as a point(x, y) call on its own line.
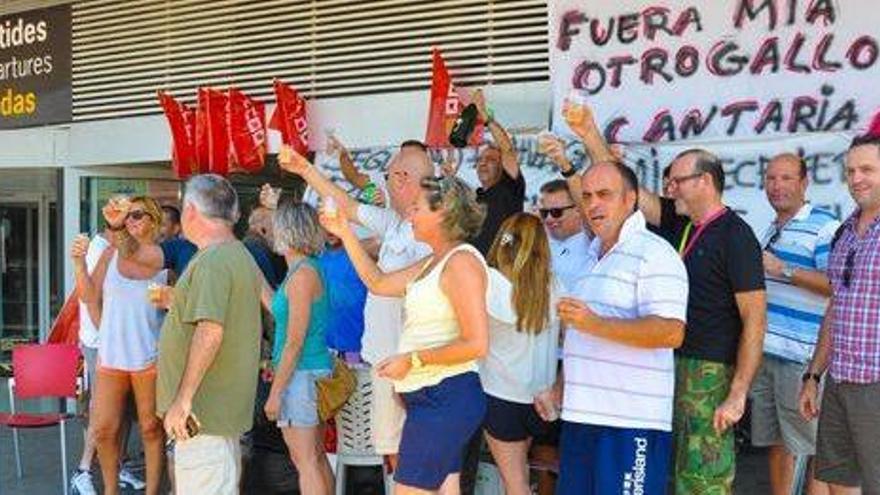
point(700, 229)
point(684, 236)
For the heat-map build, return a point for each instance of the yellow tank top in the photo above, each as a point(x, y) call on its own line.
point(431, 322)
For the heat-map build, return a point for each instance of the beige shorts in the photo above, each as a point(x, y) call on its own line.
point(386, 416)
point(776, 419)
point(207, 465)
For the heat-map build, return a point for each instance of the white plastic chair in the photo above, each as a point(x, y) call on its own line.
point(354, 446)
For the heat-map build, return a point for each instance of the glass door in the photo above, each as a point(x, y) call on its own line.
point(19, 273)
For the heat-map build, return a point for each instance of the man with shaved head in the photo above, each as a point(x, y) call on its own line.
point(624, 319)
point(796, 249)
point(726, 314)
point(383, 316)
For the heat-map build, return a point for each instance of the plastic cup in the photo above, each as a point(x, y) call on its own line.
point(578, 97)
point(330, 208)
point(154, 293)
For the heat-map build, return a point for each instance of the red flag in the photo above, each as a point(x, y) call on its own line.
point(247, 131)
point(212, 136)
point(446, 104)
point(874, 128)
point(181, 121)
point(290, 118)
point(65, 328)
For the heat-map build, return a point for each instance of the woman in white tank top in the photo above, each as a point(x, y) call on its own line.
point(520, 367)
point(128, 331)
point(445, 330)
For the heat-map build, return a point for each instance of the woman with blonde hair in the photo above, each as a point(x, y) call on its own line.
point(523, 343)
point(445, 333)
point(117, 293)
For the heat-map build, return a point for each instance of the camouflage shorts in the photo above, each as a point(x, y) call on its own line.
point(704, 462)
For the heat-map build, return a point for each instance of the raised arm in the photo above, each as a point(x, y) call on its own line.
point(581, 121)
point(509, 160)
point(349, 170)
point(391, 284)
point(554, 148)
point(295, 163)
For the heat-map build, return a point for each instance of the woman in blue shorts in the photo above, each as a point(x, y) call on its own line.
point(445, 333)
point(299, 353)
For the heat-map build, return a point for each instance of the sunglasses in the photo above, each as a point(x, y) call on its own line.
point(848, 268)
point(553, 212)
point(137, 215)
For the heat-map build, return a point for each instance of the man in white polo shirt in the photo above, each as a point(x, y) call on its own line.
point(569, 243)
point(628, 317)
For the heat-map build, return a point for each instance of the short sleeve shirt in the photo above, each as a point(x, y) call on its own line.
point(854, 271)
point(383, 316)
point(177, 252)
point(502, 200)
point(221, 285)
point(725, 260)
point(608, 383)
point(672, 225)
point(794, 314)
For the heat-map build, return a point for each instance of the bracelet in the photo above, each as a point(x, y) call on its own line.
point(568, 173)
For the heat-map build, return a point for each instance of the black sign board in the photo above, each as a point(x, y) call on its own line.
point(35, 67)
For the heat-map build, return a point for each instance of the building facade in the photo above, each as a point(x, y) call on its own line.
point(364, 66)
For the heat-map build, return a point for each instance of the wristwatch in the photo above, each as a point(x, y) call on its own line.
point(811, 376)
point(568, 173)
point(787, 272)
point(415, 361)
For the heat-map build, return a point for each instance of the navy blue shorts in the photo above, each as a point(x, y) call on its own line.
point(598, 460)
point(439, 422)
point(512, 421)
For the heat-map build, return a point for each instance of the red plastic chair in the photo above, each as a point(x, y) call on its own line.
point(40, 371)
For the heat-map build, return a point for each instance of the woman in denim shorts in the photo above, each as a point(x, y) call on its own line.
point(299, 353)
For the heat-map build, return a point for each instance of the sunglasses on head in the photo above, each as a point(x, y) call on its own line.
point(848, 268)
point(553, 212)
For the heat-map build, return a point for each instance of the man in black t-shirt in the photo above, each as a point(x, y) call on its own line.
point(726, 315)
point(503, 188)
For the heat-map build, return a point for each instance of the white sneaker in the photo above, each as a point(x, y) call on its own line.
point(81, 483)
point(127, 479)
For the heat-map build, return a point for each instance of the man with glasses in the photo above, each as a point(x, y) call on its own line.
point(569, 243)
point(796, 247)
point(848, 450)
point(726, 313)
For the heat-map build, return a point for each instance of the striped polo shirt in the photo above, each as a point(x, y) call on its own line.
point(608, 383)
point(794, 314)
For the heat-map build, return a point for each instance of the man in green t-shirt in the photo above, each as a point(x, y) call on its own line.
point(209, 348)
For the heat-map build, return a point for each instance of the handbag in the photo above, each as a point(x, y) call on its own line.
point(334, 390)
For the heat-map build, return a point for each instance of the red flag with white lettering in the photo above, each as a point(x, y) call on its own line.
point(445, 105)
point(247, 131)
point(212, 135)
point(290, 118)
point(181, 121)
